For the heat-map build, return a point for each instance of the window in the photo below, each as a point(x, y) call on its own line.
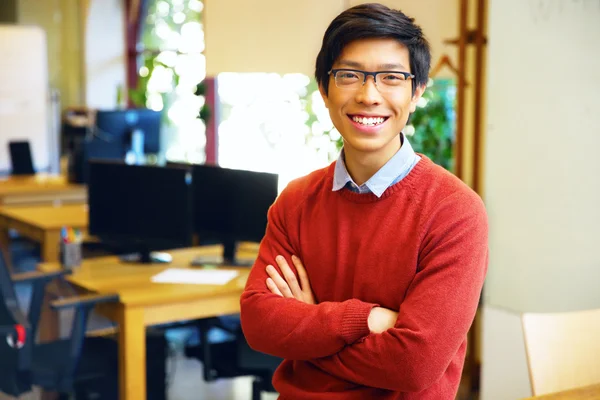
point(171, 66)
point(274, 123)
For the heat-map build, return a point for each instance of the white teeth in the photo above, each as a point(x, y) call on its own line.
point(370, 121)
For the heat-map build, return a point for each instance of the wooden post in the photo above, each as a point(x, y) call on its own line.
point(460, 90)
point(480, 42)
point(212, 138)
point(133, 15)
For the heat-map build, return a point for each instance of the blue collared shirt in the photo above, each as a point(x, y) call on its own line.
point(391, 173)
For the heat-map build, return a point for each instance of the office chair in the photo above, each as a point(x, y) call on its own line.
point(61, 365)
point(224, 353)
point(562, 350)
point(15, 349)
point(20, 158)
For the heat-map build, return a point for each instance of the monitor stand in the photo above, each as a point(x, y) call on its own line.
point(147, 257)
point(227, 259)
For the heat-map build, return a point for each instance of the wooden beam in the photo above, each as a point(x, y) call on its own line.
point(135, 11)
point(133, 15)
point(212, 140)
point(480, 44)
point(460, 90)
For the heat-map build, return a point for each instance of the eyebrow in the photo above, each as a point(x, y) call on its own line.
point(357, 65)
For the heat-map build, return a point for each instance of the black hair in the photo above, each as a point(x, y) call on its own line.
point(368, 21)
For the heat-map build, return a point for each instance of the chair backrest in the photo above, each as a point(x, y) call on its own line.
point(563, 350)
point(15, 357)
point(20, 158)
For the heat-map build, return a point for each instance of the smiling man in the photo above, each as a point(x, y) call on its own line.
point(370, 271)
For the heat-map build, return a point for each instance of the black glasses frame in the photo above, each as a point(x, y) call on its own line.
point(407, 75)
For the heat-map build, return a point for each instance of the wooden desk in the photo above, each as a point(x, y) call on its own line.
point(143, 303)
point(585, 393)
point(42, 224)
point(40, 189)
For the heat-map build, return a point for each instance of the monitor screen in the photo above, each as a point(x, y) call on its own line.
point(111, 139)
point(118, 125)
point(144, 207)
point(232, 204)
point(20, 157)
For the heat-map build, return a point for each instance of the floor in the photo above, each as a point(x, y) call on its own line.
point(187, 384)
point(184, 374)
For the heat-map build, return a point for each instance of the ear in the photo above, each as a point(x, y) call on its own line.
point(416, 97)
point(324, 95)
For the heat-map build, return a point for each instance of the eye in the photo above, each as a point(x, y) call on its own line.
point(347, 75)
point(394, 77)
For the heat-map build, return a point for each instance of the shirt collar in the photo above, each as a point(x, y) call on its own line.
point(383, 178)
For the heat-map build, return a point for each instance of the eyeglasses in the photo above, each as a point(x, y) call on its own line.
point(355, 78)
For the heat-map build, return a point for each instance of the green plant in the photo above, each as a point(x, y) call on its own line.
point(139, 95)
point(164, 15)
point(433, 124)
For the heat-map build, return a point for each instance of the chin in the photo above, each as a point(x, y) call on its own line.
point(366, 146)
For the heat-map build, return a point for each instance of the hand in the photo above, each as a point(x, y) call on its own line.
point(290, 287)
point(381, 319)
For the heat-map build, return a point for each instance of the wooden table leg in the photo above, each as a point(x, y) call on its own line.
point(5, 247)
point(132, 354)
point(50, 245)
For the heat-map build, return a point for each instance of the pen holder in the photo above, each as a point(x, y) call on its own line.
point(70, 255)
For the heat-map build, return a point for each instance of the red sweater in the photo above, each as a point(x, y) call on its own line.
point(421, 249)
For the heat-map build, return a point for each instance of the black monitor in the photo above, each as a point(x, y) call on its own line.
point(92, 148)
point(20, 158)
point(110, 139)
point(118, 125)
point(231, 205)
point(141, 208)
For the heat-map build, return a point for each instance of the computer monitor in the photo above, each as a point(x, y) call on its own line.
point(231, 205)
point(20, 158)
point(92, 148)
point(110, 139)
point(118, 126)
point(143, 208)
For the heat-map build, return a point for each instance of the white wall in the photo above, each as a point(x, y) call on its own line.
point(105, 63)
point(504, 364)
point(266, 35)
point(541, 174)
point(24, 106)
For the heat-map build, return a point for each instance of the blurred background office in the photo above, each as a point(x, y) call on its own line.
point(510, 109)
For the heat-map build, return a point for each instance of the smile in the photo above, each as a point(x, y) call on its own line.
point(367, 121)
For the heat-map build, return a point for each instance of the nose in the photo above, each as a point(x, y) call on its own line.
point(368, 94)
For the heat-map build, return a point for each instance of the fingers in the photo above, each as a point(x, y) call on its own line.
point(289, 276)
point(279, 282)
point(304, 282)
point(273, 287)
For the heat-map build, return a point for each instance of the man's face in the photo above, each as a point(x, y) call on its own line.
point(369, 118)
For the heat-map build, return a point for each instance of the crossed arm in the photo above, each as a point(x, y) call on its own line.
point(289, 286)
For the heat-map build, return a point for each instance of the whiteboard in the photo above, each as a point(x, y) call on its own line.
point(24, 104)
point(542, 157)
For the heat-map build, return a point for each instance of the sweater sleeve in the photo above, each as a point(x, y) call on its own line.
point(437, 311)
point(289, 328)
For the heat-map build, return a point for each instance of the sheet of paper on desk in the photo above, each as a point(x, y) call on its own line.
point(194, 276)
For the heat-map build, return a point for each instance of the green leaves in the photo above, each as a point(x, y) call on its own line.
point(434, 124)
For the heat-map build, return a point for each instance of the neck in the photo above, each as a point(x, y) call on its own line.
point(363, 165)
